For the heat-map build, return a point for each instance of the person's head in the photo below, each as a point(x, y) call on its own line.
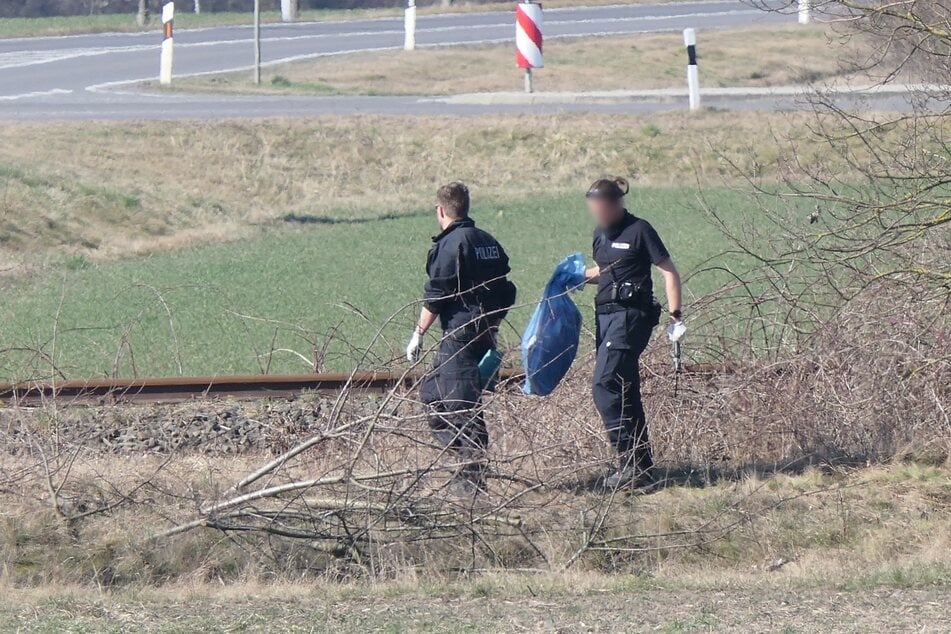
point(452, 203)
point(606, 200)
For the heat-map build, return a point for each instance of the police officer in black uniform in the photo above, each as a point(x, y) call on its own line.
point(625, 248)
point(469, 293)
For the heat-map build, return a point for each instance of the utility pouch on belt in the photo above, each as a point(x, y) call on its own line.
point(629, 294)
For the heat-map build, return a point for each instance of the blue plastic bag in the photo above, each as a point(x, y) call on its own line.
point(550, 342)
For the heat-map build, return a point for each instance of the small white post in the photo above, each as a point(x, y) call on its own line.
point(142, 16)
point(288, 10)
point(257, 41)
point(197, 7)
point(168, 43)
point(804, 9)
point(693, 77)
point(529, 88)
point(409, 26)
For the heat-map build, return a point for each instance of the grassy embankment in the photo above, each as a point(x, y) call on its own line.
point(295, 222)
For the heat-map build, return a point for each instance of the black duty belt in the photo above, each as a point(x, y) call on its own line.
point(606, 308)
point(612, 307)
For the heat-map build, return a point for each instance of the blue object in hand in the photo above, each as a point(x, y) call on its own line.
point(489, 369)
point(550, 342)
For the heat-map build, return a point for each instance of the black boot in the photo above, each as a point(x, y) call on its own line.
point(629, 475)
point(470, 480)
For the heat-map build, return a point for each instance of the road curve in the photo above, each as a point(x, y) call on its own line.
point(91, 77)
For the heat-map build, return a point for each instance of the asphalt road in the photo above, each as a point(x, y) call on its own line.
point(88, 77)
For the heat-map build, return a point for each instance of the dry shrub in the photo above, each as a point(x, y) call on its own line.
point(367, 493)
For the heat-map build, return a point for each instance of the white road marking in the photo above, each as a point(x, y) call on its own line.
point(34, 58)
point(30, 95)
point(108, 86)
point(653, 18)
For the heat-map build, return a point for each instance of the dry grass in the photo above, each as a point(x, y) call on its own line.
point(505, 603)
point(739, 57)
point(93, 189)
point(882, 526)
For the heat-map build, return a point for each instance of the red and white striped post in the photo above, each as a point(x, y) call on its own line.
point(168, 43)
point(528, 39)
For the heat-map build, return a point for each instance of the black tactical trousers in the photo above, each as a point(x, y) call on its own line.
point(452, 393)
point(621, 338)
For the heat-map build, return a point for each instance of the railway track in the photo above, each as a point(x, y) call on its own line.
point(176, 389)
point(283, 386)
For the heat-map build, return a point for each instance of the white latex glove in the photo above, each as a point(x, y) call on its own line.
point(414, 346)
point(676, 331)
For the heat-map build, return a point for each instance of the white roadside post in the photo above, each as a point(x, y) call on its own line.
point(257, 41)
point(288, 10)
point(197, 7)
point(409, 26)
point(804, 9)
point(168, 43)
point(142, 15)
point(693, 77)
point(528, 39)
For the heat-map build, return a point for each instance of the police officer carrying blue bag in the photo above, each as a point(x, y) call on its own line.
point(469, 293)
point(625, 249)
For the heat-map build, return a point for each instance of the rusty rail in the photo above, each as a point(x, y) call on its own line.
point(283, 386)
point(174, 389)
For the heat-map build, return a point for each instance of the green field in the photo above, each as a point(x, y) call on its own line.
point(276, 235)
point(229, 304)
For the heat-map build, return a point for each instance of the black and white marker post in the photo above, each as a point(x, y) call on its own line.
point(168, 43)
point(693, 78)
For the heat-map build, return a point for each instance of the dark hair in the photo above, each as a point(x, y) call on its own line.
point(609, 188)
point(454, 198)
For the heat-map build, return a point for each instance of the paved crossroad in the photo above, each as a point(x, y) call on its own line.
point(94, 76)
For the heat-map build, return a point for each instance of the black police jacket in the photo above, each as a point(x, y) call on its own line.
point(625, 253)
point(467, 284)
